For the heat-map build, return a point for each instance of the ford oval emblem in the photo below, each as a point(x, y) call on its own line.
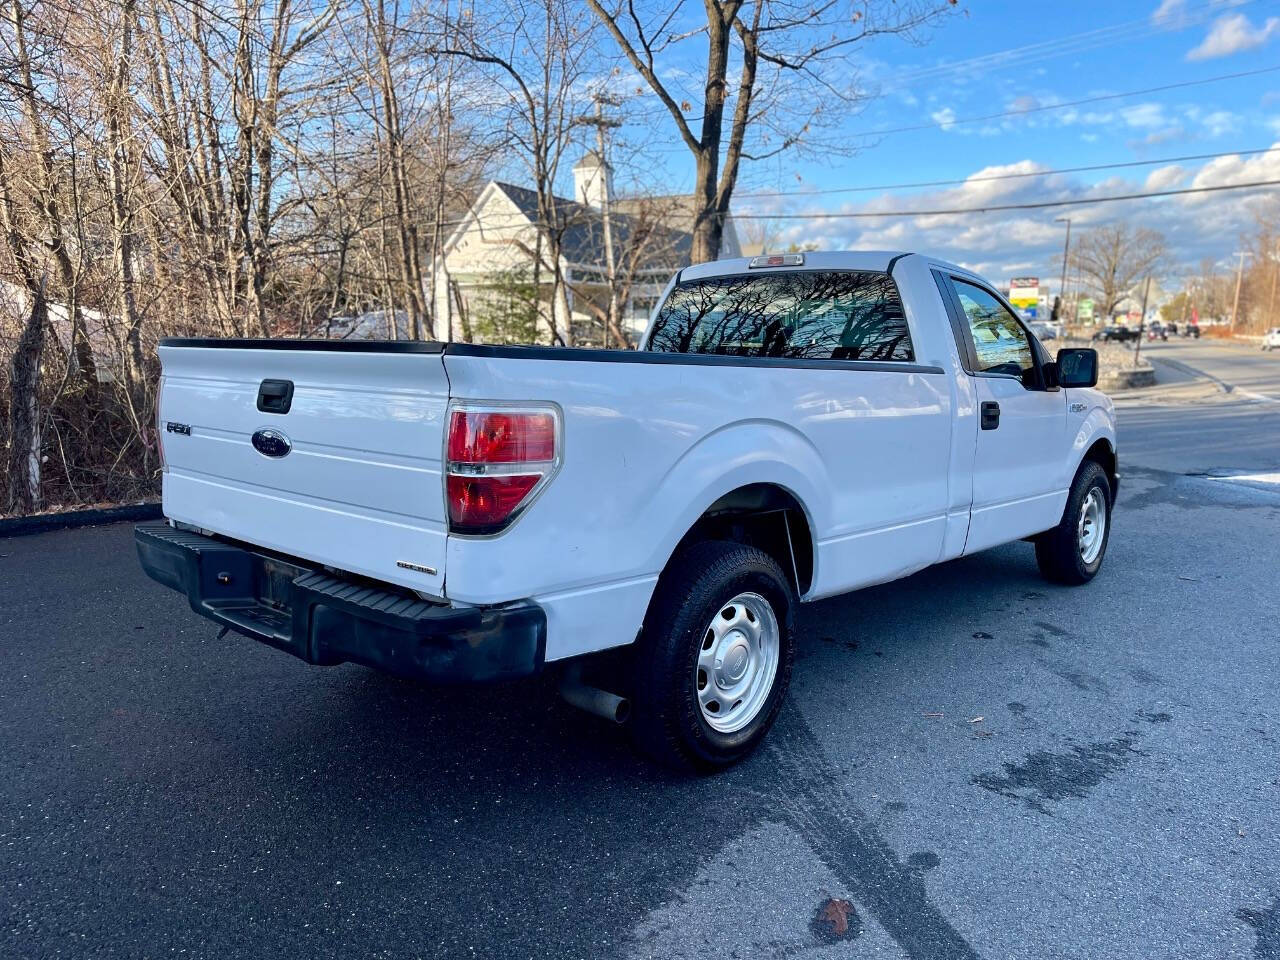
point(272, 443)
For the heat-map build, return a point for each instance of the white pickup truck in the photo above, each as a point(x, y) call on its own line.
point(791, 428)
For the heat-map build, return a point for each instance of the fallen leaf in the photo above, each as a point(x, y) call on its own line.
point(835, 913)
point(976, 719)
point(932, 714)
point(980, 635)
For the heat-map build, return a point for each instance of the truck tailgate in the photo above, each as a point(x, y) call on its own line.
point(349, 476)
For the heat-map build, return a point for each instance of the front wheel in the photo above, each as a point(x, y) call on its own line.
point(1072, 551)
point(714, 657)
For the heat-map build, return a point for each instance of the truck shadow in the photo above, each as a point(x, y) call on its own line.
point(502, 787)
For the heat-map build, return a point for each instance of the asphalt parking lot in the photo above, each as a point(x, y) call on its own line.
point(973, 762)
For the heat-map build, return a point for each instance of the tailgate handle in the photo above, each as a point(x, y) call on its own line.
point(275, 396)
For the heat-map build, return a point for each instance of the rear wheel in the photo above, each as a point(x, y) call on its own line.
point(1072, 551)
point(714, 657)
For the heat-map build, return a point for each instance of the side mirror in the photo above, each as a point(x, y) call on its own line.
point(1078, 367)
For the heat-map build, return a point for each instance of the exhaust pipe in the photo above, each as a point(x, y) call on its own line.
point(582, 695)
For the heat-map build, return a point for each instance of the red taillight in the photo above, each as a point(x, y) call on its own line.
point(496, 459)
point(477, 436)
point(482, 502)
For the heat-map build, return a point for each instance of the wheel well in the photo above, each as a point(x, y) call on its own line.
point(764, 516)
point(1102, 454)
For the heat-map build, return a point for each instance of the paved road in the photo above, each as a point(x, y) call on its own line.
point(1220, 414)
point(981, 764)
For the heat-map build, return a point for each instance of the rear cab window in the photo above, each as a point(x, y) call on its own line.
point(796, 315)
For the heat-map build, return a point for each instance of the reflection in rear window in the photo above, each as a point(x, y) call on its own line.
point(802, 315)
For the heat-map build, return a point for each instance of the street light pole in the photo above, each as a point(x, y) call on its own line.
point(1062, 283)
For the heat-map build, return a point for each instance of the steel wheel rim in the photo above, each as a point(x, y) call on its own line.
point(1092, 526)
point(737, 662)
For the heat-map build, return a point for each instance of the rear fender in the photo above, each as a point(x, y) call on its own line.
point(737, 455)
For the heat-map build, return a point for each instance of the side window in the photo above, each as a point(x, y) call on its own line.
point(999, 340)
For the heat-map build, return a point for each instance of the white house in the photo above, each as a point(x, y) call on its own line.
point(487, 262)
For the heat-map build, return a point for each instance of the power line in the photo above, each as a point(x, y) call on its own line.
point(1007, 176)
point(992, 208)
point(885, 131)
point(1072, 43)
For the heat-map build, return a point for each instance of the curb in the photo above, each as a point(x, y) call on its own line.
point(1128, 379)
point(45, 522)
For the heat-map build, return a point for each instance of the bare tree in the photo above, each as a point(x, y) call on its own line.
point(47, 182)
point(647, 250)
point(1112, 260)
point(23, 466)
point(793, 63)
point(540, 53)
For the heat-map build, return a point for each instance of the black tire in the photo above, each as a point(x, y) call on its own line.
point(1058, 550)
point(666, 721)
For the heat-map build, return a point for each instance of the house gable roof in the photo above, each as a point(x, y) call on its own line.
point(583, 237)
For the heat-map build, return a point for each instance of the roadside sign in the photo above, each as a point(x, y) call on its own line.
point(1024, 292)
point(1084, 310)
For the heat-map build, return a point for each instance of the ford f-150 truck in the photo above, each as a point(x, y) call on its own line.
point(791, 427)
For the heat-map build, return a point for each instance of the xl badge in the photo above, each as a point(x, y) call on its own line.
point(272, 443)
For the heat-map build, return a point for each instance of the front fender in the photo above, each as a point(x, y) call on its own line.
point(1096, 422)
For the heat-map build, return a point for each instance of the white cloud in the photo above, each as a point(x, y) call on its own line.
point(1164, 178)
point(1238, 169)
point(1177, 14)
point(946, 117)
point(1221, 122)
point(1233, 33)
point(1144, 115)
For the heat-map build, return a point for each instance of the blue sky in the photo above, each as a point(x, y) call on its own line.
point(1034, 54)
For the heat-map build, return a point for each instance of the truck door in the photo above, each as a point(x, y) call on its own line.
point(1018, 486)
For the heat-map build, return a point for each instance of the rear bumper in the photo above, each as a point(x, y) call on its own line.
point(323, 619)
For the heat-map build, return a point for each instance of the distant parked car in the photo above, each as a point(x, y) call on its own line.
point(1191, 330)
point(1117, 333)
point(1156, 331)
point(1171, 329)
point(1272, 340)
point(1043, 331)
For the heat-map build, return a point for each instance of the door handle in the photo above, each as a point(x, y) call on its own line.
point(990, 415)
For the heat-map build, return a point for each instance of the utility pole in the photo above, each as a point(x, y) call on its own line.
point(1235, 304)
point(1062, 284)
point(1275, 272)
point(600, 121)
point(1142, 321)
